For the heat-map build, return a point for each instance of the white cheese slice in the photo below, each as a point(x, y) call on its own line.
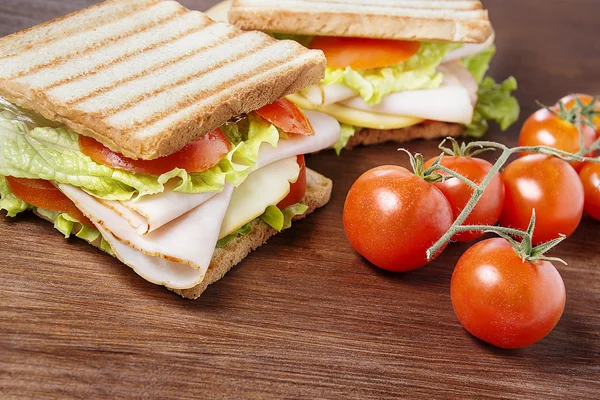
point(264, 187)
point(452, 102)
point(189, 239)
point(470, 49)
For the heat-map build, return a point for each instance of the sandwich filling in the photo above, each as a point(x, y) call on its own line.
point(392, 84)
point(165, 217)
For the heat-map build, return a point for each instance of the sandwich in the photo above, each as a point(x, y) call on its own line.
point(160, 136)
point(397, 69)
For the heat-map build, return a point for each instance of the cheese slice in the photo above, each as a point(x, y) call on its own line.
point(452, 102)
point(220, 11)
point(264, 187)
point(189, 239)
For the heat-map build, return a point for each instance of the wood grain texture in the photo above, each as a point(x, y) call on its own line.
point(304, 316)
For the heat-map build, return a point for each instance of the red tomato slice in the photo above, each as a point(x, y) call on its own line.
point(297, 189)
point(196, 156)
point(286, 116)
point(359, 53)
point(43, 194)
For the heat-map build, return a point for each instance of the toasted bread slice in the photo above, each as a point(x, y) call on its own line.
point(145, 77)
point(460, 21)
point(429, 130)
point(318, 193)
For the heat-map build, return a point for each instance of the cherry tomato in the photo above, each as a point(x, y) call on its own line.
point(586, 99)
point(297, 189)
point(544, 128)
point(360, 53)
point(489, 207)
point(548, 185)
point(391, 217)
point(286, 116)
point(504, 301)
point(43, 194)
point(196, 156)
point(590, 177)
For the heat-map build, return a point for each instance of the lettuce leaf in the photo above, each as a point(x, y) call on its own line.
point(347, 132)
point(53, 154)
point(9, 202)
point(418, 72)
point(243, 231)
point(282, 219)
point(66, 224)
point(479, 64)
point(495, 103)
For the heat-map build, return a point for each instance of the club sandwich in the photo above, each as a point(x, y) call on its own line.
point(160, 136)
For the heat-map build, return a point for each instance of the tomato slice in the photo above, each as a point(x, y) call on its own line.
point(297, 189)
point(196, 156)
point(360, 53)
point(286, 116)
point(43, 194)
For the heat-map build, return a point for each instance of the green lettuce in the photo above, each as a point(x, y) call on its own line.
point(418, 72)
point(479, 64)
point(243, 231)
point(9, 202)
point(282, 219)
point(66, 224)
point(53, 154)
point(347, 132)
point(495, 103)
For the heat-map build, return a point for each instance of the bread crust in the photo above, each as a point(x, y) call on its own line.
point(447, 27)
point(428, 130)
point(318, 193)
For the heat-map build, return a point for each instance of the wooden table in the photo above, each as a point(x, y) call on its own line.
point(303, 317)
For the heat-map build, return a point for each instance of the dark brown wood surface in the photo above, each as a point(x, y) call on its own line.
point(304, 316)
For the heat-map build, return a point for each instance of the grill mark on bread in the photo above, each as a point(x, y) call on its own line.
point(127, 56)
point(63, 59)
point(106, 113)
point(110, 111)
point(35, 31)
point(194, 98)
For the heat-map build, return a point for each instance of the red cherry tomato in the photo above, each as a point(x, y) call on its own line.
point(548, 185)
point(590, 178)
point(489, 207)
point(286, 116)
point(504, 301)
point(586, 99)
point(544, 128)
point(391, 217)
point(196, 156)
point(360, 53)
point(43, 194)
point(297, 189)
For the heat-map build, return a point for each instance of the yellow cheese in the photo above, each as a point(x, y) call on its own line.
point(264, 187)
point(219, 12)
point(355, 117)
